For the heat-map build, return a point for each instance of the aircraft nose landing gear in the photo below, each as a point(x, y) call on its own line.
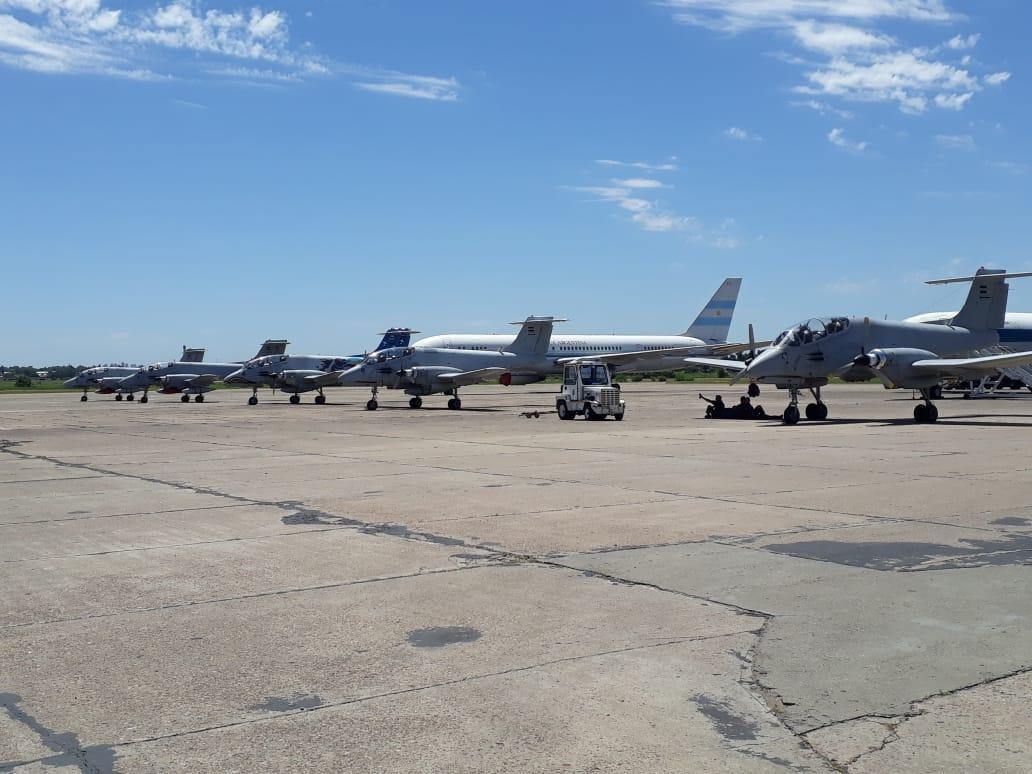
point(371, 404)
point(295, 398)
point(184, 399)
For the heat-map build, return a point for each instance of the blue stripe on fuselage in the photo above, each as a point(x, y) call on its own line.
point(1015, 334)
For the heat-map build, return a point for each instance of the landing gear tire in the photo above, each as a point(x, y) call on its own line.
point(920, 413)
point(144, 399)
point(563, 412)
point(415, 402)
point(130, 396)
point(118, 396)
point(754, 390)
point(372, 405)
point(320, 399)
point(454, 404)
point(791, 415)
point(252, 401)
point(198, 399)
point(184, 399)
point(812, 411)
point(83, 398)
point(295, 398)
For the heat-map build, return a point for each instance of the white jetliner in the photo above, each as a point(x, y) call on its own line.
point(707, 335)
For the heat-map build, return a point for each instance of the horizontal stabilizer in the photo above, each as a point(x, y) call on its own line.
point(534, 337)
point(989, 274)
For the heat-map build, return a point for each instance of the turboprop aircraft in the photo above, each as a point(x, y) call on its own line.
point(901, 354)
point(301, 373)
point(105, 378)
point(421, 371)
point(189, 376)
point(624, 352)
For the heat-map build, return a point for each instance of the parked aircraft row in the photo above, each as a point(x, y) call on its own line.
point(916, 353)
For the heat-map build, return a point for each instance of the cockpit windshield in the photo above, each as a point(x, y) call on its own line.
point(385, 355)
point(812, 330)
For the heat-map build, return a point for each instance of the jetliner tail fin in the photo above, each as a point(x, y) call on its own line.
point(395, 337)
point(714, 320)
point(534, 336)
point(191, 355)
point(986, 305)
point(272, 347)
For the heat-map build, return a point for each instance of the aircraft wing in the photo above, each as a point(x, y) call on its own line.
point(716, 362)
point(203, 380)
point(972, 365)
point(323, 380)
point(629, 358)
point(462, 378)
point(734, 349)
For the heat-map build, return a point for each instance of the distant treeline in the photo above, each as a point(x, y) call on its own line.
point(53, 372)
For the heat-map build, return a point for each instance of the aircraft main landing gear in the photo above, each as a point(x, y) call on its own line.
point(144, 398)
point(454, 403)
point(926, 413)
point(84, 397)
point(198, 399)
point(118, 396)
point(816, 411)
point(130, 396)
point(184, 399)
point(415, 402)
point(295, 398)
point(320, 399)
point(253, 400)
point(371, 404)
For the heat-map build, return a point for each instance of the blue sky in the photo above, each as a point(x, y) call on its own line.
point(211, 173)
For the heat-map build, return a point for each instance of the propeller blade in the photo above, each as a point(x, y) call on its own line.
point(752, 342)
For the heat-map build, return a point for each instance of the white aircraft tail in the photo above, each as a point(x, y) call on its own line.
point(534, 336)
point(714, 321)
point(986, 305)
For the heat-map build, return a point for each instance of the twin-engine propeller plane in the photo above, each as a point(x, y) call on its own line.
point(907, 355)
point(189, 375)
point(302, 373)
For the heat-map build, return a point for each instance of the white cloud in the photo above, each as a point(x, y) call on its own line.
point(899, 76)
point(837, 38)
point(86, 37)
point(416, 86)
point(963, 42)
point(955, 141)
point(742, 135)
point(637, 165)
point(995, 79)
point(860, 62)
point(824, 108)
point(639, 182)
point(837, 137)
point(1014, 167)
point(739, 15)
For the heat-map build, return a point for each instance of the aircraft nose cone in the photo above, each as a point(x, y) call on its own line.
point(761, 365)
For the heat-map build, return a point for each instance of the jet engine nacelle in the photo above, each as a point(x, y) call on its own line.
point(296, 378)
point(425, 376)
point(109, 384)
point(895, 364)
point(509, 379)
point(174, 383)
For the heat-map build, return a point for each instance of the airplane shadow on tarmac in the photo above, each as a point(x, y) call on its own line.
point(947, 420)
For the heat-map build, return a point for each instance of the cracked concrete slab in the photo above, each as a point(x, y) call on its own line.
point(660, 594)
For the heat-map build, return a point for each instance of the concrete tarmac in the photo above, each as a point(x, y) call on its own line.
point(216, 587)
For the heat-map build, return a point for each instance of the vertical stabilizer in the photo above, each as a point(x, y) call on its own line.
point(191, 355)
point(986, 305)
point(534, 337)
point(395, 337)
point(272, 347)
point(714, 321)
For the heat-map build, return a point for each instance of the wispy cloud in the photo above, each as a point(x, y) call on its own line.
point(1014, 167)
point(85, 37)
point(995, 79)
point(824, 108)
point(742, 135)
point(667, 167)
point(855, 61)
point(837, 137)
point(955, 141)
point(627, 194)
